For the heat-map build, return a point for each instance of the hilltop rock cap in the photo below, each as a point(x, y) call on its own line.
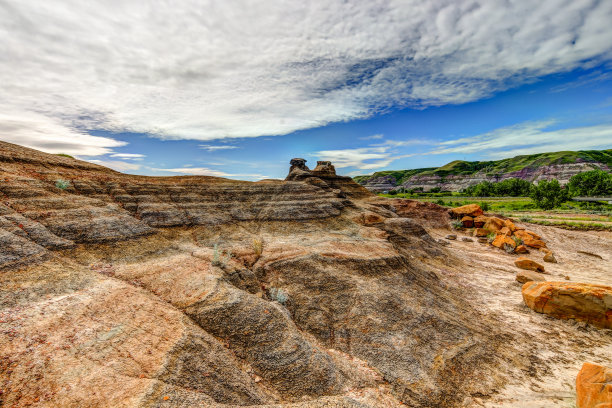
point(324, 168)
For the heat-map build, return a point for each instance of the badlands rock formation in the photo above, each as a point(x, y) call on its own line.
point(119, 290)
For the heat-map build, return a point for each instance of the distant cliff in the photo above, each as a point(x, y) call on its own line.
point(457, 175)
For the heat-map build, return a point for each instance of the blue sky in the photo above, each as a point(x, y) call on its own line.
point(237, 90)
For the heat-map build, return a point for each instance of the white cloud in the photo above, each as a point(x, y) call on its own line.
point(206, 70)
point(205, 171)
point(364, 158)
point(373, 137)
point(212, 148)
point(131, 156)
point(407, 142)
point(530, 138)
point(117, 165)
point(48, 134)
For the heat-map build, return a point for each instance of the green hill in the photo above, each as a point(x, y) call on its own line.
point(497, 167)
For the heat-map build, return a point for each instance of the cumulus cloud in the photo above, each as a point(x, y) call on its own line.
point(207, 70)
point(49, 134)
point(205, 171)
point(530, 138)
point(364, 158)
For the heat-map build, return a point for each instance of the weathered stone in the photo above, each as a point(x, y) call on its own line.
point(480, 232)
point(594, 386)
point(564, 300)
point(526, 263)
point(510, 225)
point(483, 240)
point(505, 231)
point(494, 224)
point(467, 239)
point(590, 254)
point(550, 257)
point(521, 249)
point(451, 237)
point(368, 218)
point(528, 276)
point(471, 210)
point(534, 243)
point(480, 221)
point(501, 240)
point(467, 221)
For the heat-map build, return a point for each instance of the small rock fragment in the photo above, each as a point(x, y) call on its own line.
point(451, 236)
point(550, 257)
point(590, 254)
point(529, 276)
point(467, 239)
point(521, 249)
point(526, 263)
point(483, 240)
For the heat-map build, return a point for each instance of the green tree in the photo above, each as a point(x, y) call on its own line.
point(594, 183)
point(548, 194)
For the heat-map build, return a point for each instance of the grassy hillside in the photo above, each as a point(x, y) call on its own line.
point(459, 167)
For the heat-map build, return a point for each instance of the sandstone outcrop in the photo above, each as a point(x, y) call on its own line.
point(564, 300)
point(594, 386)
point(201, 291)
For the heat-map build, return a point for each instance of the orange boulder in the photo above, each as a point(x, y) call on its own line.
point(480, 221)
point(494, 224)
point(566, 300)
point(467, 221)
point(526, 263)
point(480, 232)
point(594, 386)
point(505, 231)
point(521, 249)
point(534, 243)
point(510, 225)
point(471, 210)
point(502, 240)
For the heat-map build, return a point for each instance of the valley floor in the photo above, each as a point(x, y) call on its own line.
point(561, 346)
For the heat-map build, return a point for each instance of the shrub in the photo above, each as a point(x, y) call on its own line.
point(549, 194)
point(258, 246)
point(65, 155)
point(62, 184)
point(278, 295)
point(591, 183)
point(484, 206)
point(220, 259)
point(457, 224)
point(518, 241)
point(525, 219)
point(440, 202)
point(509, 248)
point(393, 192)
point(491, 237)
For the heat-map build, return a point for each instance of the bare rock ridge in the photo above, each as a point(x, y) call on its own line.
point(120, 290)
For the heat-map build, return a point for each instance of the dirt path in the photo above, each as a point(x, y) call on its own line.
point(561, 346)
